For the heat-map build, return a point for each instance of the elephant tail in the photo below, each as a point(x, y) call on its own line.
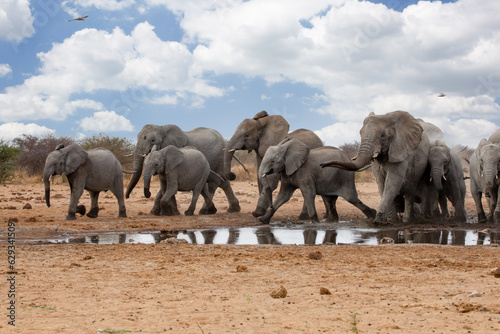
point(220, 177)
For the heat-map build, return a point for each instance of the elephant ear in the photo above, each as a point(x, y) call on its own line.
point(295, 156)
point(407, 136)
point(173, 135)
point(75, 157)
point(173, 157)
point(273, 129)
point(260, 114)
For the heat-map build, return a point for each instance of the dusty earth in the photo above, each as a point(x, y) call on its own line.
point(189, 288)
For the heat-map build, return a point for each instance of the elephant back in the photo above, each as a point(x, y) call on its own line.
point(210, 143)
point(495, 137)
point(307, 137)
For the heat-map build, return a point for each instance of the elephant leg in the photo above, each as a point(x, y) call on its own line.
point(309, 197)
point(76, 193)
point(443, 204)
point(167, 200)
point(283, 196)
point(331, 214)
point(477, 196)
point(208, 200)
point(392, 185)
point(94, 205)
point(156, 205)
point(266, 195)
point(209, 210)
point(496, 211)
point(369, 212)
point(234, 204)
point(122, 211)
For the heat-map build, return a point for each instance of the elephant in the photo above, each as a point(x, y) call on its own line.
point(446, 173)
point(299, 167)
point(207, 141)
point(484, 177)
point(398, 147)
point(179, 169)
point(258, 134)
point(95, 170)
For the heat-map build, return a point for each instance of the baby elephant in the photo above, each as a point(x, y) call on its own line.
point(300, 168)
point(95, 171)
point(180, 169)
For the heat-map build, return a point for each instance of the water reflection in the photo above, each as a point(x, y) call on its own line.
point(309, 235)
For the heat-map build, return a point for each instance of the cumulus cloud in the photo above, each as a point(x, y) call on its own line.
point(106, 121)
point(9, 131)
point(112, 5)
point(16, 21)
point(5, 70)
point(92, 60)
point(340, 133)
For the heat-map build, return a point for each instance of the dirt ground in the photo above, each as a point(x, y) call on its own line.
point(189, 288)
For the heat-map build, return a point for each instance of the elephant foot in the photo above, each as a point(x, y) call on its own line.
point(122, 214)
point(188, 212)
point(93, 213)
point(234, 208)
point(70, 216)
point(303, 216)
point(259, 212)
point(481, 218)
point(329, 218)
point(209, 211)
point(370, 213)
point(155, 211)
point(264, 219)
point(81, 209)
point(380, 221)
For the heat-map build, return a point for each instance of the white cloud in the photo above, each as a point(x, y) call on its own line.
point(92, 60)
point(99, 4)
point(9, 131)
point(106, 121)
point(16, 21)
point(264, 97)
point(338, 134)
point(5, 70)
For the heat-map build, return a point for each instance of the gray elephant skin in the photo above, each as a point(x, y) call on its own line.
point(396, 144)
point(299, 167)
point(484, 177)
point(94, 170)
point(179, 169)
point(258, 134)
point(207, 141)
point(446, 176)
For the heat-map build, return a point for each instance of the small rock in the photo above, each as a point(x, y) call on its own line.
point(87, 257)
point(495, 272)
point(474, 294)
point(386, 240)
point(315, 255)
point(279, 293)
point(324, 291)
point(241, 269)
point(27, 206)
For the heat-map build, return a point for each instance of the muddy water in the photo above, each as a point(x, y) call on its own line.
point(298, 234)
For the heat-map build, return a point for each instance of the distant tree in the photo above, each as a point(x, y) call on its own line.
point(34, 151)
point(8, 157)
point(351, 149)
point(121, 147)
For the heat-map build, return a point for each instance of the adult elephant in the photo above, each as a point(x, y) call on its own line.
point(398, 147)
point(484, 176)
point(258, 134)
point(207, 141)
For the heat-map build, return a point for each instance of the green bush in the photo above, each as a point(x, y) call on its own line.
point(8, 160)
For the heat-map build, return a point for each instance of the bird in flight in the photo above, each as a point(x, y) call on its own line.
point(441, 95)
point(79, 18)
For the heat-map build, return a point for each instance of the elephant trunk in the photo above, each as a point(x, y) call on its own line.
point(147, 181)
point(228, 159)
point(138, 162)
point(365, 154)
point(46, 181)
point(437, 175)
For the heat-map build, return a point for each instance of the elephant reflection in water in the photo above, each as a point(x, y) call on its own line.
point(311, 235)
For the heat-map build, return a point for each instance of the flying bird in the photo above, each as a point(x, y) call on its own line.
point(79, 18)
point(441, 95)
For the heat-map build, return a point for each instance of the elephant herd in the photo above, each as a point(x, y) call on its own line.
point(416, 172)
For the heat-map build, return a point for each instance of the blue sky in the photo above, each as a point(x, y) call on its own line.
point(323, 64)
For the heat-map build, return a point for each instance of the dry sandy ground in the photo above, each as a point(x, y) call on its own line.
point(186, 288)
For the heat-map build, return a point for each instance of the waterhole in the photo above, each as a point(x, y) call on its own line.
point(296, 235)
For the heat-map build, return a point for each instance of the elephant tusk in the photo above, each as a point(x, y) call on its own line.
point(232, 150)
point(144, 155)
point(129, 155)
point(375, 155)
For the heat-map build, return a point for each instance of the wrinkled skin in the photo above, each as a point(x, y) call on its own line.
point(258, 134)
point(398, 149)
point(484, 178)
point(445, 178)
point(299, 167)
point(95, 171)
point(184, 169)
point(207, 141)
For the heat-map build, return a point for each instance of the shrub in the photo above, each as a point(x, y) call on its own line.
point(121, 147)
point(8, 157)
point(250, 162)
point(34, 151)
